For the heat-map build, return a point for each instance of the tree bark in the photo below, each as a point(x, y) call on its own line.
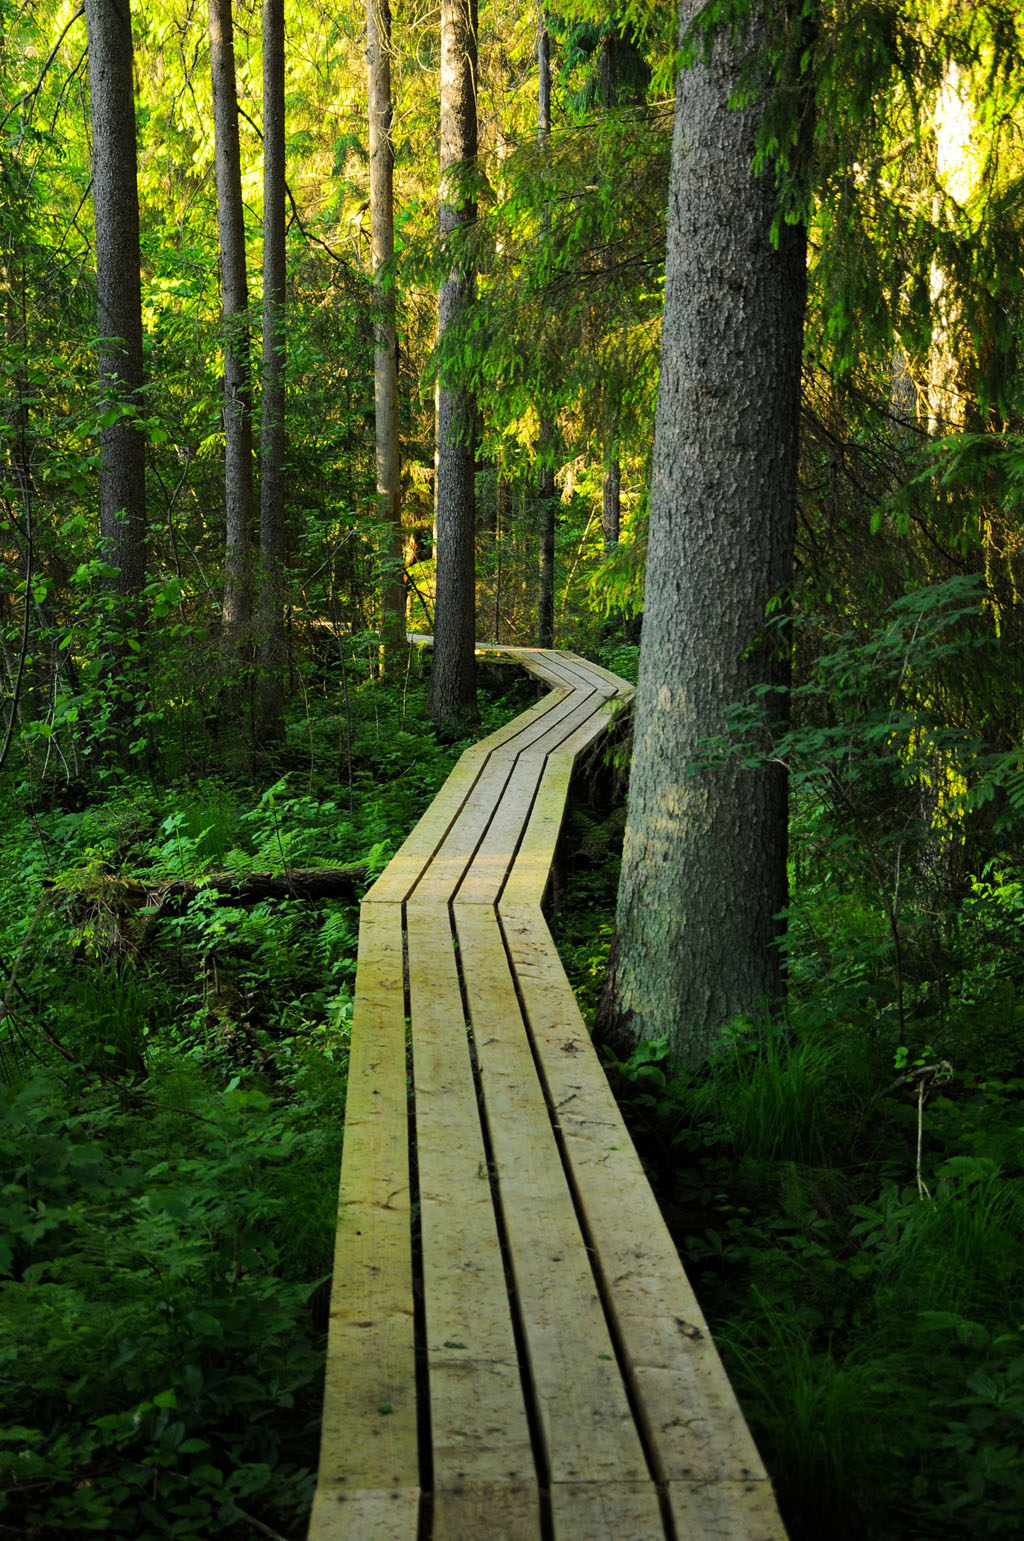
point(704, 866)
point(547, 500)
point(273, 652)
point(234, 289)
point(385, 334)
point(119, 296)
point(453, 671)
point(611, 486)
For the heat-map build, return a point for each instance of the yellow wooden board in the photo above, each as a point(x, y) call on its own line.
point(725, 1511)
point(477, 1412)
point(693, 1421)
point(586, 1424)
point(369, 1437)
point(507, 1511)
point(343, 1515)
point(613, 1511)
point(531, 867)
point(489, 865)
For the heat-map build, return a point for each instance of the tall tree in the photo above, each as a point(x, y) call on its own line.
point(385, 335)
point(453, 674)
point(545, 440)
point(704, 867)
point(273, 652)
point(234, 288)
point(119, 294)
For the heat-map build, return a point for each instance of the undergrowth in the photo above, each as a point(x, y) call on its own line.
point(172, 1088)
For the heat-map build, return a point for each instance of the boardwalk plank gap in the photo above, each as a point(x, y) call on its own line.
point(527, 1316)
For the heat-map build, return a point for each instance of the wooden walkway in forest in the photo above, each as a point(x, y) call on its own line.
point(515, 1352)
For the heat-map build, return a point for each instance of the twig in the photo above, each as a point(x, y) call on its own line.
point(29, 95)
point(264, 1530)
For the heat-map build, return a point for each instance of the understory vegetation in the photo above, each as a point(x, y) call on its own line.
point(171, 1108)
point(845, 1185)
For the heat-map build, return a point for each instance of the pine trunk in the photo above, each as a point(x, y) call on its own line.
point(611, 485)
point(273, 653)
point(704, 866)
point(234, 289)
point(385, 335)
point(547, 501)
point(453, 672)
point(119, 294)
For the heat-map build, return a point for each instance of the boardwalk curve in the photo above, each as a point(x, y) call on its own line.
point(515, 1352)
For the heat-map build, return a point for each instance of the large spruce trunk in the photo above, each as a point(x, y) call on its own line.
point(119, 292)
point(234, 289)
point(385, 334)
point(453, 672)
point(704, 865)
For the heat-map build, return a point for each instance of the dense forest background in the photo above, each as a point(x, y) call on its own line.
point(844, 1178)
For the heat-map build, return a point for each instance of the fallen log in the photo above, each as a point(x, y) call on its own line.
point(121, 893)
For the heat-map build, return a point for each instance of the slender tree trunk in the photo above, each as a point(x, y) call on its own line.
point(453, 673)
point(385, 335)
point(611, 487)
point(704, 867)
point(546, 497)
point(234, 289)
point(119, 295)
point(273, 652)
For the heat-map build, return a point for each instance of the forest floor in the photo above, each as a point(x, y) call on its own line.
point(173, 1087)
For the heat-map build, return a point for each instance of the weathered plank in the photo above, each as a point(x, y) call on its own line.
point(609, 1511)
point(585, 1420)
point(487, 869)
point(693, 1424)
point(725, 1511)
point(477, 1412)
point(340, 1514)
point(488, 1512)
point(369, 1434)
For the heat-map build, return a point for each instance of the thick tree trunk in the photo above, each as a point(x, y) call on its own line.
point(234, 289)
point(453, 671)
point(119, 293)
point(273, 653)
point(385, 335)
point(704, 866)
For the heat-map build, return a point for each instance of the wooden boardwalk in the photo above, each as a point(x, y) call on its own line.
point(515, 1352)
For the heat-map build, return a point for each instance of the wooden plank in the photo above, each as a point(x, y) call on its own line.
point(341, 1515)
point(725, 1511)
point(531, 869)
point(369, 1422)
point(490, 863)
point(477, 1410)
point(416, 850)
point(583, 1411)
point(585, 674)
point(620, 686)
point(614, 1511)
point(452, 858)
point(694, 1425)
point(506, 1511)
